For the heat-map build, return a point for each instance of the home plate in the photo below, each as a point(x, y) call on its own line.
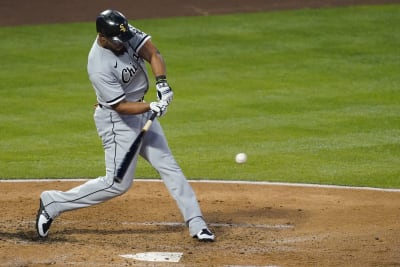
point(155, 256)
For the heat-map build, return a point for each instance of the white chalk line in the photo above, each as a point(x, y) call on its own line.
point(181, 224)
point(230, 225)
point(219, 182)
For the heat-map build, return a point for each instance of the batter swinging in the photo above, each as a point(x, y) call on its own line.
point(116, 68)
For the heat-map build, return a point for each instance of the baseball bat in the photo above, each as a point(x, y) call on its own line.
point(133, 149)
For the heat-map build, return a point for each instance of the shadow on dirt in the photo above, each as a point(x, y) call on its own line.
point(265, 215)
point(26, 237)
point(69, 234)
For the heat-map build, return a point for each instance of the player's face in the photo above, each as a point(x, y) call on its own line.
point(115, 45)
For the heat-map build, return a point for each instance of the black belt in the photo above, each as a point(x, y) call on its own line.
point(101, 106)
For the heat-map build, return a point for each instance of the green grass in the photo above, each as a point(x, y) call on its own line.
point(310, 95)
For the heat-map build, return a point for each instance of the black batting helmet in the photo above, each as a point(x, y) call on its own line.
point(113, 24)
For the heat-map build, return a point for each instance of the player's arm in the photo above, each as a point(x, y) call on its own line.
point(125, 107)
point(151, 54)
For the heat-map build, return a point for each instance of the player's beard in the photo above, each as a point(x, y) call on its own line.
point(120, 51)
point(117, 49)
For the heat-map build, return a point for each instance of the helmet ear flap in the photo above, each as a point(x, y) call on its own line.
point(100, 25)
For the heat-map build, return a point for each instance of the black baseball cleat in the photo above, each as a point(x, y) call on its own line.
point(205, 235)
point(43, 221)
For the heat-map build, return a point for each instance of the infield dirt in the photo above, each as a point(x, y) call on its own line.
point(255, 225)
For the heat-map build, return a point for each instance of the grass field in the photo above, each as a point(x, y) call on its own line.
point(310, 95)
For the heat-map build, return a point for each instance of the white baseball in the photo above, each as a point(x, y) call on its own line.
point(241, 158)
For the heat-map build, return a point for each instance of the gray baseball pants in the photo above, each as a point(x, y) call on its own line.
point(117, 133)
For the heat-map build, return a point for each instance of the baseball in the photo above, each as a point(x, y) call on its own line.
point(241, 158)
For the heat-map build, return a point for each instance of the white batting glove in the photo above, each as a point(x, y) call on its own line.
point(164, 91)
point(160, 107)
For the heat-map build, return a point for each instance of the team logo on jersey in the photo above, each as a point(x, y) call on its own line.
point(128, 73)
point(122, 28)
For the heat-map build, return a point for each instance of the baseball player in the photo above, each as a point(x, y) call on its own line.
point(116, 68)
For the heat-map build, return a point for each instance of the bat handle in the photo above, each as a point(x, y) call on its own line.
point(153, 116)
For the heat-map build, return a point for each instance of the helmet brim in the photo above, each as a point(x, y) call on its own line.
point(124, 37)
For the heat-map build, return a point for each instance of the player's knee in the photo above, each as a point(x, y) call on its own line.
point(121, 188)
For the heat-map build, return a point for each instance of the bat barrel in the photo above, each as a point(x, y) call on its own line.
point(117, 179)
point(134, 148)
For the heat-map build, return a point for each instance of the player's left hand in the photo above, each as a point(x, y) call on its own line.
point(160, 107)
point(164, 91)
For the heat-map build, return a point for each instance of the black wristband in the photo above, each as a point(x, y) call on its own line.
point(161, 78)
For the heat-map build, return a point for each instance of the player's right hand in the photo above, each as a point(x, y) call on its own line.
point(160, 107)
point(164, 91)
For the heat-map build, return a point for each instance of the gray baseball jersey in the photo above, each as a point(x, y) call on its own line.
point(115, 78)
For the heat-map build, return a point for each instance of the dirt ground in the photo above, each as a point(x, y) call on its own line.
point(20, 12)
point(255, 224)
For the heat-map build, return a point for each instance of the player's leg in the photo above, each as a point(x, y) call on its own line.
point(88, 194)
point(115, 136)
point(156, 151)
